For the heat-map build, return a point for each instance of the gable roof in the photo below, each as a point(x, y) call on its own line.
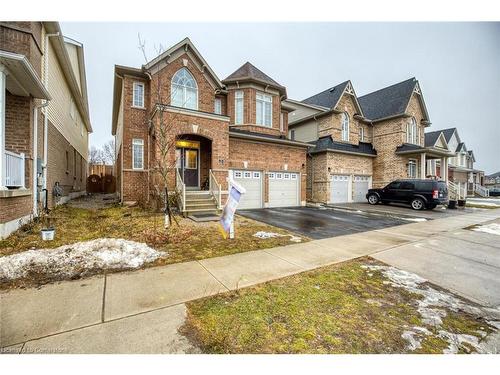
point(328, 98)
point(494, 175)
point(390, 101)
point(187, 45)
point(461, 146)
point(448, 133)
point(471, 154)
point(431, 138)
point(248, 72)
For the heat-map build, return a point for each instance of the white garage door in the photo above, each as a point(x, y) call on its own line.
point(339, 189)
point(360, 187)
point(252, 182)
point(283, 189)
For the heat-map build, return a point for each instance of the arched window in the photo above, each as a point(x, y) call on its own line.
point(184, 90)
point(345, 126)
point(412, 131)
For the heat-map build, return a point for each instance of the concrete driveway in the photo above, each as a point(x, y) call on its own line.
point(463, 261)
point(318, 223)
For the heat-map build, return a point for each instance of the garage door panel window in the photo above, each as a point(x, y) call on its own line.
point(247, 174)
point(237, 174)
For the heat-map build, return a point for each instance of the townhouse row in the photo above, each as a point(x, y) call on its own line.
point(44, 121)
point(329, 148)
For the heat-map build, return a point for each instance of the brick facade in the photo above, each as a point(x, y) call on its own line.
point(389, 134)
point(268, 158)
point(65, 164)
point(219, 151)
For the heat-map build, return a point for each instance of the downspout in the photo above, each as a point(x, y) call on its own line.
point(35, 155)
point(45, 118)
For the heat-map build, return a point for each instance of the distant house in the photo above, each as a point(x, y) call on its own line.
point(461, 165)
point(44, 120)
point(492, 181)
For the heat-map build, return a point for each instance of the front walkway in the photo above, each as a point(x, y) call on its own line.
point(140, 311)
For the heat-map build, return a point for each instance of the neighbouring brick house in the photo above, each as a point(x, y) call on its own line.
point(363, 142)
point(234, 128)
point(44, 120)
point(461, 169)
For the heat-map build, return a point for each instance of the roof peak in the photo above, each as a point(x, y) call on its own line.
point(390, 86)
point(248, 71)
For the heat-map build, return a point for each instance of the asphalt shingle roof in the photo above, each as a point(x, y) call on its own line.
point(389, 101)
point(327, 143)
point(431, 138)
point(448, 133)
point(408, 147)
point(248, 71)
point(327, 98)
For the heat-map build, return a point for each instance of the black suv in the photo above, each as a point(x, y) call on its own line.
point(419, 193)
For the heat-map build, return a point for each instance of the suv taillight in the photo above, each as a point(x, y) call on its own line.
point(435, 194)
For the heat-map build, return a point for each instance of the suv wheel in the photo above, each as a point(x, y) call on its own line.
point(417, 204)
point(373, 199)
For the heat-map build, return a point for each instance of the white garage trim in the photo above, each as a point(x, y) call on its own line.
point(252, 181)
point(284, 189)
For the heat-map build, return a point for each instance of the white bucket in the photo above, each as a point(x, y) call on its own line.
point(48, 234)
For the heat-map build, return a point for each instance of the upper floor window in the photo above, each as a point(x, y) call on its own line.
point(264, 110)
point(218, 106)
point(361, 134)
point(184, 90)
point(238, 107)
point(138, 95)
point(292, 134)
point(412, 131)
point(345, 126)
point(137, 154)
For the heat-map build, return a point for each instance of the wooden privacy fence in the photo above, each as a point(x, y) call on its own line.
point(97, 184)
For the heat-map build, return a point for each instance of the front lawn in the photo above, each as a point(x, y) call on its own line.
point(185, 242)
point(345, 308)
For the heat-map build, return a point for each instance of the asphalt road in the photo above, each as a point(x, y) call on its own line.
point(319, 223)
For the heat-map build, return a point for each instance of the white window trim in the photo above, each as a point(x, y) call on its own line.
point(218, 106)
point(239, 95)
point(137, 142)
point(266, 98)
point(345, 131)
point(412, 162)
point(361, 134)
point(135, 84)
point(184, 90)
point(412, 135)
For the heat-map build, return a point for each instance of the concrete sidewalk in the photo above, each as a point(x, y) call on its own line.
point(140, 311)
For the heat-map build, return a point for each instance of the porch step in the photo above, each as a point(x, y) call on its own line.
point(204, 204)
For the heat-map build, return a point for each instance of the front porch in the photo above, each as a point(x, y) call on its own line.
point(19, 86)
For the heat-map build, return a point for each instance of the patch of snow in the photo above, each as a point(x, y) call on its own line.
point(492, 228)
point(80, 258)
point(416, 219)
point(433, 308)
point(415, 336)
point(265, 235)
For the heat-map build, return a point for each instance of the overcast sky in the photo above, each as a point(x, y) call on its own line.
point(457, 65)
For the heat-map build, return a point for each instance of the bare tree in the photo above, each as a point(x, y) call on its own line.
point(108, 152)
point(163, 163)
point(95, 156)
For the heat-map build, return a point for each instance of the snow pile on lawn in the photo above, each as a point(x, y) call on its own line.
point(415, 219)
point(432, 308)
point(265, 235)
point(79, 259)
point(492, 228)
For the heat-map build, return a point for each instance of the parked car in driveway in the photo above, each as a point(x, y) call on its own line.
point(495, 192)
point(419, 194)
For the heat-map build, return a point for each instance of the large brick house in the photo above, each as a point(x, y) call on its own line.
point(363, 142)
point(236, 127)
point(44, 120)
